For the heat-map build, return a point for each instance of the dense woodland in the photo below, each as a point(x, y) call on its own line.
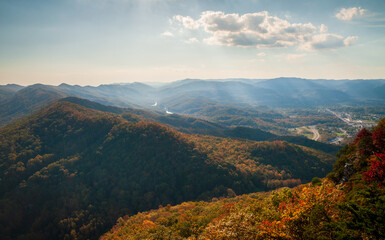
point(193, 125)
point(348, 204)
point(68, 172)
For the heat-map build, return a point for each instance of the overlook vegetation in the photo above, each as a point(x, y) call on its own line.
point(68, 172)
point(349, 204)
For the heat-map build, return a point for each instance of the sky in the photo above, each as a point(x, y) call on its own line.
point(92, 42)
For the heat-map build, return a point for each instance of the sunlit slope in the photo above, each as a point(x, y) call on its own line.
point(349, 204)
point(195, 125)
point(68, 171)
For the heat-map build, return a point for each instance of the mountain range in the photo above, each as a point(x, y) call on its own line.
point(191, 95)
point(74, 159)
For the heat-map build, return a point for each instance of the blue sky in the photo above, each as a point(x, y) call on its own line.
point(91, 42)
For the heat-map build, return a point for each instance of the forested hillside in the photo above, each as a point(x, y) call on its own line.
point(194, 125)
point(22, 101)
point(68, 172)
point(348, 204)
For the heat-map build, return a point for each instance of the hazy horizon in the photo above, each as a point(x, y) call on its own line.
point(155, 84)
point(123, 41)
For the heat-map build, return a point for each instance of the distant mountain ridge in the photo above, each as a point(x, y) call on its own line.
point(193, 94)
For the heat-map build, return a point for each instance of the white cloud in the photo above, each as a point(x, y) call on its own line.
point(252, 29)
point(323, 28)
point(347, 14)
point(258, 29)
point(220, 22)
point(167, 34)
point(326, 41)
point(192, 40)
point(349, 40)
point(187, 22)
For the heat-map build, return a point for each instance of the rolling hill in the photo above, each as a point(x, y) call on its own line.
point(193, 125)
point(349, 204)
point(25, 101)
point(69, 172)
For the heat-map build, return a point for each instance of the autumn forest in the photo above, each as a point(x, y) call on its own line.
point(78, 169)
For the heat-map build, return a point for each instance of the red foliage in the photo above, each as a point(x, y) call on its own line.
point(376, 172)
point(378, 137)
point(364, 142)
point(363, 134)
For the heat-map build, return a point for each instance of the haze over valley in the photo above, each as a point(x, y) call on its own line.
point(331, 110)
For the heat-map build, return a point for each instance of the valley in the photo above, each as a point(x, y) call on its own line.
point(255, 103)
point(80, 158)
point(341, 125)
point(310, 132)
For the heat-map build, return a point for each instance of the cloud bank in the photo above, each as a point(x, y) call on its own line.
point(259, 30)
